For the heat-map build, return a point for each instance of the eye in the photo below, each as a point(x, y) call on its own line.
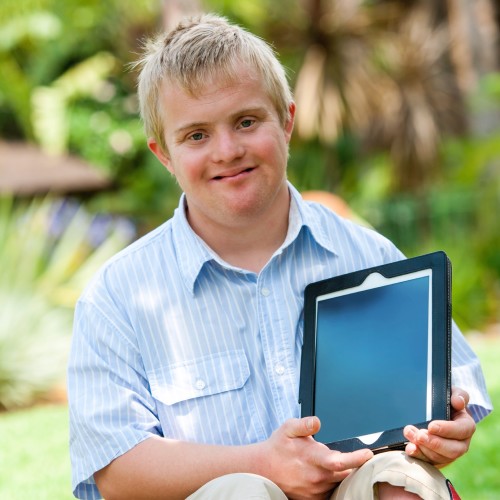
point(197, 136)
point(247, 122)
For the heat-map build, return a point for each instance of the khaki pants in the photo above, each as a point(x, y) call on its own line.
point(393, 467)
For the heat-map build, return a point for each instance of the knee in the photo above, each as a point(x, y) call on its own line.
point(393, 472)
point(242, 485)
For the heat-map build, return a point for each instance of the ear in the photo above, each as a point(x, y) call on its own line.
point(157, 150)
point(290, 121)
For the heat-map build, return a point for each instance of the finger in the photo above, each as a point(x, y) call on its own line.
point(462, 427)
point(440, 454)
point(301, 427)
point(413, 450)
point(410, 432)
point(425, 454)
point(416, 447)
point(338, 462)
point(436, 449)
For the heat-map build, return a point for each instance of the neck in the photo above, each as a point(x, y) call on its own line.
point(247, 244)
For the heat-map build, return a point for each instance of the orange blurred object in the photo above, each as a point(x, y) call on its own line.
point(334, 203)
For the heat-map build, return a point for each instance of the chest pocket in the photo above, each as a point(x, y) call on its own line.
point(200, 377)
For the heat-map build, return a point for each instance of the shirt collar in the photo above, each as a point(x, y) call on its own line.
point(302, 215)
point(192, 253)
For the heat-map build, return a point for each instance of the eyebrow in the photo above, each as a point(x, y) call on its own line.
point(240, 112)
point(184, 128)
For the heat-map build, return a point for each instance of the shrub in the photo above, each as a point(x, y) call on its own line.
point(48, 251)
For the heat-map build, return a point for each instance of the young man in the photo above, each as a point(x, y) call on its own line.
point(184, 372)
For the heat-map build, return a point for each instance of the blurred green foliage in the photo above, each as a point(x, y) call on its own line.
point(65, 85)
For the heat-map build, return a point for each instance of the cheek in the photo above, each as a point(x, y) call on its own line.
point(276, 151)
point(188, 166)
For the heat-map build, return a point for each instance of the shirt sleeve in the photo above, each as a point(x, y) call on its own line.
point(111, 407)
point(468, 375)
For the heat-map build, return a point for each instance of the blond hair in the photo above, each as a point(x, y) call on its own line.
point(204, 49)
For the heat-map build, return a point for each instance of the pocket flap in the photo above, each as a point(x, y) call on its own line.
point(205, 376)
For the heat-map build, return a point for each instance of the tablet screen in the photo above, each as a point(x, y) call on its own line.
point(373, 357)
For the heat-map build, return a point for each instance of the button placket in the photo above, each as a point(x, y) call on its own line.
point(269, 328)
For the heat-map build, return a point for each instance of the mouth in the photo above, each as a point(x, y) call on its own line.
point(234, 174)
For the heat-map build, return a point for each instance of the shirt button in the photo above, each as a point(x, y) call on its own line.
point(279, 369)
point(265, 292)
point(200, 384)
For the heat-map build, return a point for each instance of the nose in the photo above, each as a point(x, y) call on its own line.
point(226, 146)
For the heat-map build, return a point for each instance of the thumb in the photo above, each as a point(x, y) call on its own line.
point(459, 399)
point(302, 427)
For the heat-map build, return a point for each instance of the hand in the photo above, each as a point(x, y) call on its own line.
point(445, 440)
point(303, 467)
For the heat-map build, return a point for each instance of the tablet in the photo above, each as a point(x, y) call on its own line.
point(376, 354)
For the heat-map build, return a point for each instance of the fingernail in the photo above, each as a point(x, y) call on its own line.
point(309, 423)
point(463, 399)
point(410, 434)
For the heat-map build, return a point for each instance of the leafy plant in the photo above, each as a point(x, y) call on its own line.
point(48, 250)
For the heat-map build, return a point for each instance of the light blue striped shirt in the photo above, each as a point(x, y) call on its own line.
point(170, 340)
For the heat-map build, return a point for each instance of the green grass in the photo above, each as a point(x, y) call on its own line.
point(476, 476)
point(34, 461)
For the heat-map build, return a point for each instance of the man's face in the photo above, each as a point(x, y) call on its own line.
point(227, 150)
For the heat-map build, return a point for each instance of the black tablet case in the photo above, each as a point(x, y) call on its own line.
point(391, 438)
